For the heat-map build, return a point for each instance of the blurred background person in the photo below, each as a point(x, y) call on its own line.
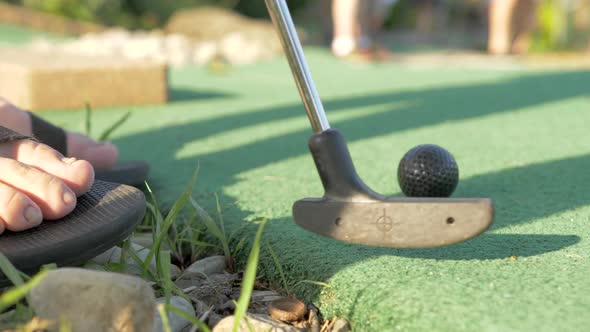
point(510, 25)
point(355, 27)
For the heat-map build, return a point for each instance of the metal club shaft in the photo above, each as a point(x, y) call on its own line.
point(279, 13)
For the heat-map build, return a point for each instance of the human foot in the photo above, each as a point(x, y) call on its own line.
point(37, 183)
point(102, 156)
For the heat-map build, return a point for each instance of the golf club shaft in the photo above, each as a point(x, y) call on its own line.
point(279, 13)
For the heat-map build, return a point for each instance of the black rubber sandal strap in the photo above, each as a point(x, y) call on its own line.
point(9, 135)
point(49, 134)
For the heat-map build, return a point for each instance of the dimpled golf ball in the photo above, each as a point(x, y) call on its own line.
point(428, 171)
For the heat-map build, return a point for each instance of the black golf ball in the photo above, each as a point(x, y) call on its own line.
point(428, 171)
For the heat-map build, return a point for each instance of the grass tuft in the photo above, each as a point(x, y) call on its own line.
point(249, 279)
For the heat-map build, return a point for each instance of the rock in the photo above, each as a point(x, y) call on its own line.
point(287, 309)
point(204, 52)
point(174, 271)
point(200, 308)
point(145, 240)
point(341, 325)
point(206, 23)
point(95, 301)
point(41, 44)
point(265, 296)
point(214, 319)
point(206, 267)
point(242, 39)
point(141, 46)
point(175, 321)
point(113, 255)
point(214, 290)
point(238, 49)
point(258, 322)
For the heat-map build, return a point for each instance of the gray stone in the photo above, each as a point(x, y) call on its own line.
point(265, 296)
point(204, 52)
point(205, 267)
point(175, 321)
point(174, 271)
point(113, 255)
point(95, 301)
point(145, 240)
point(258, 323)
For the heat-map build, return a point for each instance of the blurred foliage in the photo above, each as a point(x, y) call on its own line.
point(561, 25)
point(140, 14)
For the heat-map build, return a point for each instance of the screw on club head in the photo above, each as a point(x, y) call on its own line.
point(428, 171)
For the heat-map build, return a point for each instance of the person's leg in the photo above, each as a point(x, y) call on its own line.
point(100, 155)
point(345, 15)
point(373, 14)
point(501, 28)
point(37, 182)
point(524, 22)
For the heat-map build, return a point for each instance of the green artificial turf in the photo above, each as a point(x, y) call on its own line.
point(11, 35)
point(519, 136)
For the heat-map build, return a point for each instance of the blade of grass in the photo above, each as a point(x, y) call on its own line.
point(107, 132)
point(220, 215)
point(170, 218)
point(249, 279)
point(164, 316)
point(202, 326)
point(10, 271)
point(87, 119)
point(13, 295)
point(164, 274)
point(313, 282)
point(238, 247)
point(211, 226)
point(275, 258)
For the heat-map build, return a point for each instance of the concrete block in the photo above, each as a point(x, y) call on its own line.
point(37, 80)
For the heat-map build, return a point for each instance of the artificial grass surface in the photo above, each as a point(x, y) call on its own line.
point(519, 136)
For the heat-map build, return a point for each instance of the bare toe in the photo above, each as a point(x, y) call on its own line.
point(76, 174)
point(100, 155)
point(17, 211)
point(51, 194)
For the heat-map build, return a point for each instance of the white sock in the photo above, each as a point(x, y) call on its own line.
point(343, 46)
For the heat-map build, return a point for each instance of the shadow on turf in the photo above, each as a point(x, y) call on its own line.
point(521, 194)
point(186, 94)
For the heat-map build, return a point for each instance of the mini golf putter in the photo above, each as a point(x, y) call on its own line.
point(352, 212)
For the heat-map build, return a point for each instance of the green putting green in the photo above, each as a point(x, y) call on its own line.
point(519, 136)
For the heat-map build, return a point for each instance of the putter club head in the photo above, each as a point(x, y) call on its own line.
point(395, 223)
point(350, 211)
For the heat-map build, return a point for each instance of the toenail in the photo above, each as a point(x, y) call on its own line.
point(68, 160)
point(69, 198)
point(33, 215)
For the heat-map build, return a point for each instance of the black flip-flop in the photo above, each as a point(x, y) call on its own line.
point(103, 217)
point(133, 173)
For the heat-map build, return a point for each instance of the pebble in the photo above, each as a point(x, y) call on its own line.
point(258, 322)
point(113, 255)
point(95, 301)
point(145, 240)
point(174, 49)
point(265, 296)
point(205, 267)
point(175, 321)
point(287, 309)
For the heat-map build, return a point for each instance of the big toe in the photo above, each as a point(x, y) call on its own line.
point(100, 155)
point(78, 175)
